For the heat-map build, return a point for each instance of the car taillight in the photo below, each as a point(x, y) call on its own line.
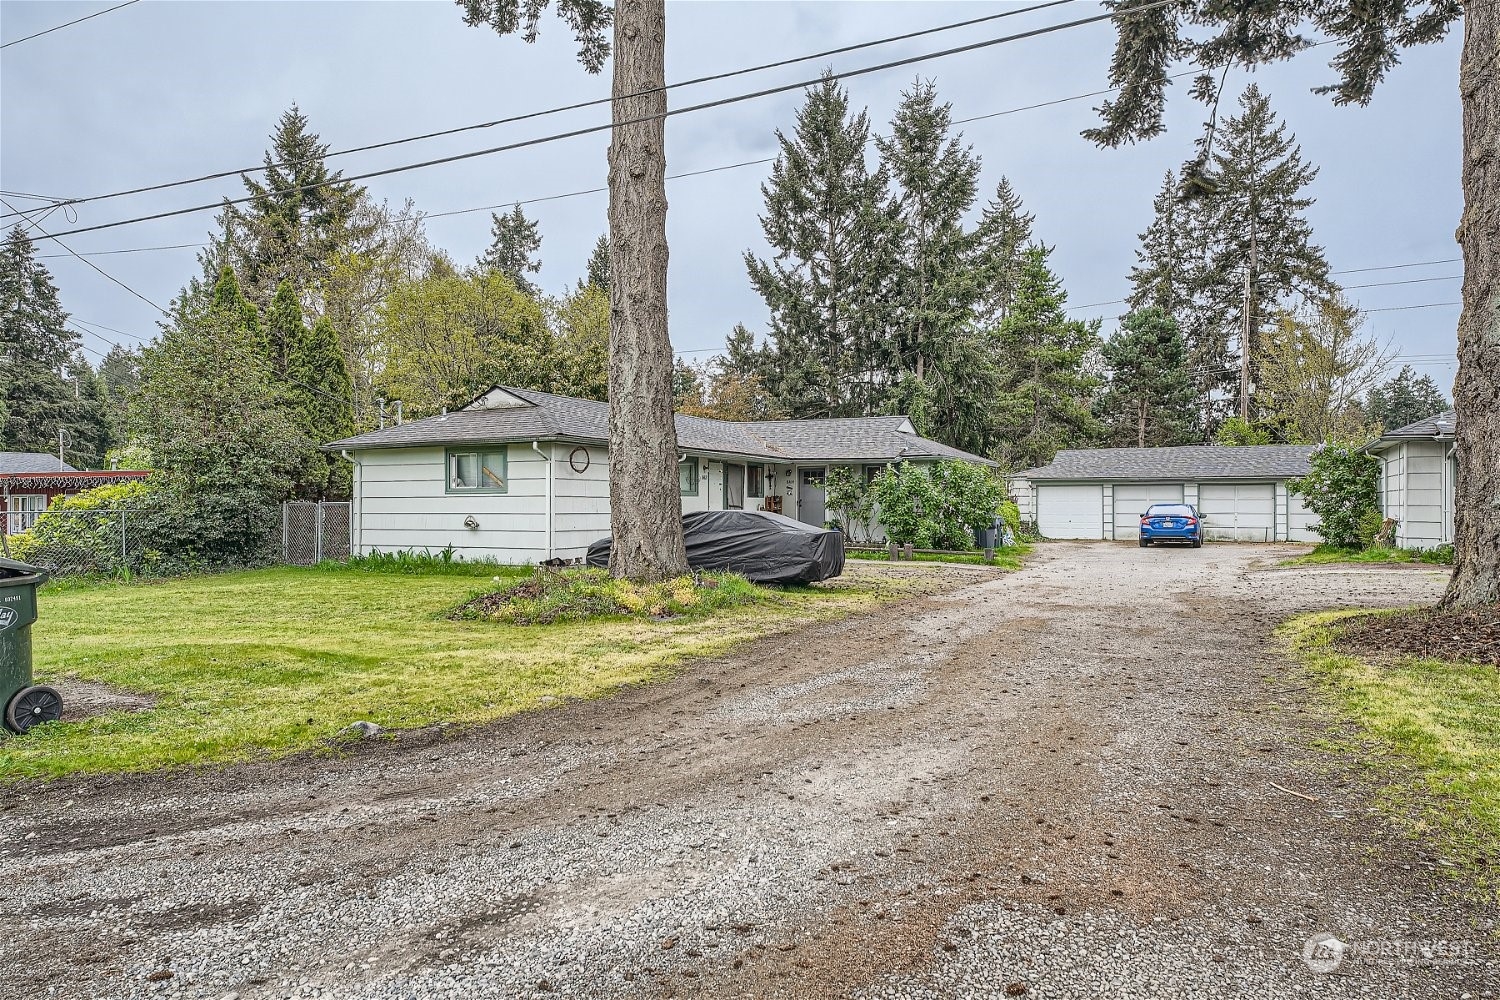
point(1145, 520)
point(1192, 520)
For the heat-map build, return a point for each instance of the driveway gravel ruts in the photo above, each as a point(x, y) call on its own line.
point(1052, 783)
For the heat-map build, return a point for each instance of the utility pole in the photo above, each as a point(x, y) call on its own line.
point(1247, 331)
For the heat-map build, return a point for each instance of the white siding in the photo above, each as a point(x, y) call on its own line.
point(403, 505)
point(1300, 521)
point(580, 500)
point(1425, 492)
point(1131, 501)
point(1075, 511)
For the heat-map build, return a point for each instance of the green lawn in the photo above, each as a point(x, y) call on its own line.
point(273, 661)
point(1324, 554)
point(1435, 727)
point(1007, 557)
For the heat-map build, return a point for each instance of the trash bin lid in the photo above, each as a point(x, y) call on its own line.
point(14, 573)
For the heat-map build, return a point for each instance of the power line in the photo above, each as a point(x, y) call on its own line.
point(69, 24)
point(670, 113)
point(907, 36)
point(96, 267)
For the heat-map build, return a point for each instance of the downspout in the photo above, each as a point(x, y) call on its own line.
point(356, 524)
point(548, 460)
point(1450, 489)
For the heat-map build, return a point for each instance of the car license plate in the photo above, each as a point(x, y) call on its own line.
point(1171, 524)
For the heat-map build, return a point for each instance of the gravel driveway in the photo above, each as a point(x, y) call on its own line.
point(1053, 783)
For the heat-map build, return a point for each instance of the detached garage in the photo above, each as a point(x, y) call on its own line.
point(1100, 493)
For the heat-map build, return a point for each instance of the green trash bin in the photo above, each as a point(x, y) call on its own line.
point(26, 704)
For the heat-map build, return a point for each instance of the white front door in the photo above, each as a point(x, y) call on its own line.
point(1070, 511)
point(1238, 512)
point(1132, 499)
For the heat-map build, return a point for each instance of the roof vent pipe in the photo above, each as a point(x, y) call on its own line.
point(398, 413)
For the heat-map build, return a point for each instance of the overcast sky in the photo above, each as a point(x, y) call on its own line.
point(161, 91)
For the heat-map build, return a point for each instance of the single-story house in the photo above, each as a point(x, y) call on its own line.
point(520, 476)
point(1418, 474)
point(1100, 493)
point(29, 482)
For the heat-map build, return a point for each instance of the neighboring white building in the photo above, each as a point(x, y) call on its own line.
point(1418, 474)
point(1100, 493)
point(522, 477)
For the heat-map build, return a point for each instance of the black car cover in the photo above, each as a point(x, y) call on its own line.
point(760, 546)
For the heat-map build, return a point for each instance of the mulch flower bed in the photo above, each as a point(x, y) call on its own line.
point(1469, 635)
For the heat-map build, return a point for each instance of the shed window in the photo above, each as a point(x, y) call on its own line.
point(687, 477)
point(477, 472)
point(25, 508)
point(755, 481)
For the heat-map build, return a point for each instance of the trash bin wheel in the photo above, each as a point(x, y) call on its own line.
point(33, 706)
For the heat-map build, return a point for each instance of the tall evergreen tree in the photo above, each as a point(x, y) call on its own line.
point(1404, 399)
point(598, 266)
point(943, 374)
point(514, 245)
point(1259, 235)
point(1046, 385)
point(299, 215)
point(1150, 399)
point(88, 426)
point(937, 180)
point(119, 377)
point(284, 328)
point(36, 347)
point(322, 406)
point(1003, 235)
point(825, 286)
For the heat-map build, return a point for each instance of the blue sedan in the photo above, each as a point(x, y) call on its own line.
point(1171, 522)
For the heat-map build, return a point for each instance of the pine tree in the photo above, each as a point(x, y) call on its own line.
point(598, 266)
point(944, 375)
point(1150, 399)
point(119, 377)
point(296, 220)
point(227, 298)
point(1042, 404)
point(514, 245)
point(1404, 399)
point(87, 423)
point(36, 347)
point(1001, 240)
point(826, 220)
point(1258, 234)
point(284, 328)
point(322, 405)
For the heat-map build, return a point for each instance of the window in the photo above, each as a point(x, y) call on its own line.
point(755, 481)
point(25, 509)
point(687, 477)
point(871, 471)
point(477, 472)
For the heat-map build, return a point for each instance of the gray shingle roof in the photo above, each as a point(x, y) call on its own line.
point(1441, 425)
point(551, 417)
point(1189, 463)
point(28, 462)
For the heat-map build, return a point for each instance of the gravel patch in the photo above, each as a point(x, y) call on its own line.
point(1052, 783)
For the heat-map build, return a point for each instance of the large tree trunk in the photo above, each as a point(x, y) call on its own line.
point(1476, 394)
point(645, 509)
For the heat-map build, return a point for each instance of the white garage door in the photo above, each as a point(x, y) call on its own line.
point(1132, 499)
point(1070, 511)
point(1300, 521)
point(1238, 512)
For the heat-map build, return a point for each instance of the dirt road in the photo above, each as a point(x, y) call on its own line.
point(1054, 783)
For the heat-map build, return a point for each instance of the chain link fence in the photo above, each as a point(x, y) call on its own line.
point(312, 532)
point(155, 542)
